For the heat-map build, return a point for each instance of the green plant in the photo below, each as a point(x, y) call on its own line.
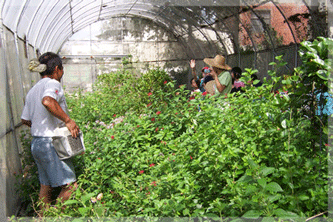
point(248, 155)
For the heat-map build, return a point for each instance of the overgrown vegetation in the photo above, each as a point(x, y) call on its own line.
point(151, 151)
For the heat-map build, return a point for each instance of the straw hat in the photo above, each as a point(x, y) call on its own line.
point(209, 87)
point(218, 61)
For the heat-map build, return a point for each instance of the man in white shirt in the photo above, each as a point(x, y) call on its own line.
point(45, 107)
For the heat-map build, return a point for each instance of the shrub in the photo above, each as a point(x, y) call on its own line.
point(248, 155)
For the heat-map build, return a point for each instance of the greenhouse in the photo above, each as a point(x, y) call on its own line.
point(153, 148)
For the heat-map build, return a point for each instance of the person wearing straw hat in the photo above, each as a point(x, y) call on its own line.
point(220, 73)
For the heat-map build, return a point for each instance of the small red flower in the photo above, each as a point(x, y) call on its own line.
point(111, 191)
point(154, 183)
point(326, 144)
point(176, 113)
point(112, 137)
point(153, 119)
point(141, 171)
point(114, 115)
point(204, 93)
point(151, 165)
point(191, 157)
point(163, 142)
point(149, 94)
point(192, 97)
point(165, 82)
point(138, 126)
point(156, 129)
point(149, 104)
point(158, 112)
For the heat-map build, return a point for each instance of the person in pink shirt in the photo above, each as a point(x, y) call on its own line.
point(236, 73)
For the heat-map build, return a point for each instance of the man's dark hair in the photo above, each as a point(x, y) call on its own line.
point(237, 71)
point(51, 60)
point(254, 77)
point(197, 81)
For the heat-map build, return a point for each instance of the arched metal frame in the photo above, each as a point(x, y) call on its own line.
point(181, 40)
point(50, 24)
point(173, 10)
point(291, 31)
point(267, 30)
point(221, 20)
point(207, 37)
point(121, 12)
point(151, 16)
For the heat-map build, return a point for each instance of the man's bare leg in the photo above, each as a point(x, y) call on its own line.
point(45, 197)
point(66, 193)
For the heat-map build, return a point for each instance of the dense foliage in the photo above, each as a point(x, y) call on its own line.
point(152, 151)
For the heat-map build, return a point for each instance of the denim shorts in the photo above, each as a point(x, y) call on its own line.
point(52, 171)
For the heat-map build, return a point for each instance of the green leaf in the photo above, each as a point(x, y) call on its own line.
point(70, 202)
point(318, 61)
point(87, 197)
point(211, 215)
point(274, 197)
point(267, 170)
point(83, 211)
point(291, 185)
point(303, 197)
point(262, 182)
point(186, 212)
point(100, 211)
point(252, 164)
point(250, 189)
point(284, 214)
point(245, 179)
point(286, 82)
point(323, 74)
point(252, 214)
point(274, 187)
point(268, 219)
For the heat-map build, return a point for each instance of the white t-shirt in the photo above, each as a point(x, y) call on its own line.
point(43, 122)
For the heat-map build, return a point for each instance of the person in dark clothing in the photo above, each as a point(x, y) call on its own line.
point(253, 78)
point(237, 85)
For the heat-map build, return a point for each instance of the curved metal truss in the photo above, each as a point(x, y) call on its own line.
point(46, 25)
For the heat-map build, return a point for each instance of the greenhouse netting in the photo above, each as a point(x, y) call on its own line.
point(99, 37)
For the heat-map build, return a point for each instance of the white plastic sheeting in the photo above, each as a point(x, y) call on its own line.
point(47, 24)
